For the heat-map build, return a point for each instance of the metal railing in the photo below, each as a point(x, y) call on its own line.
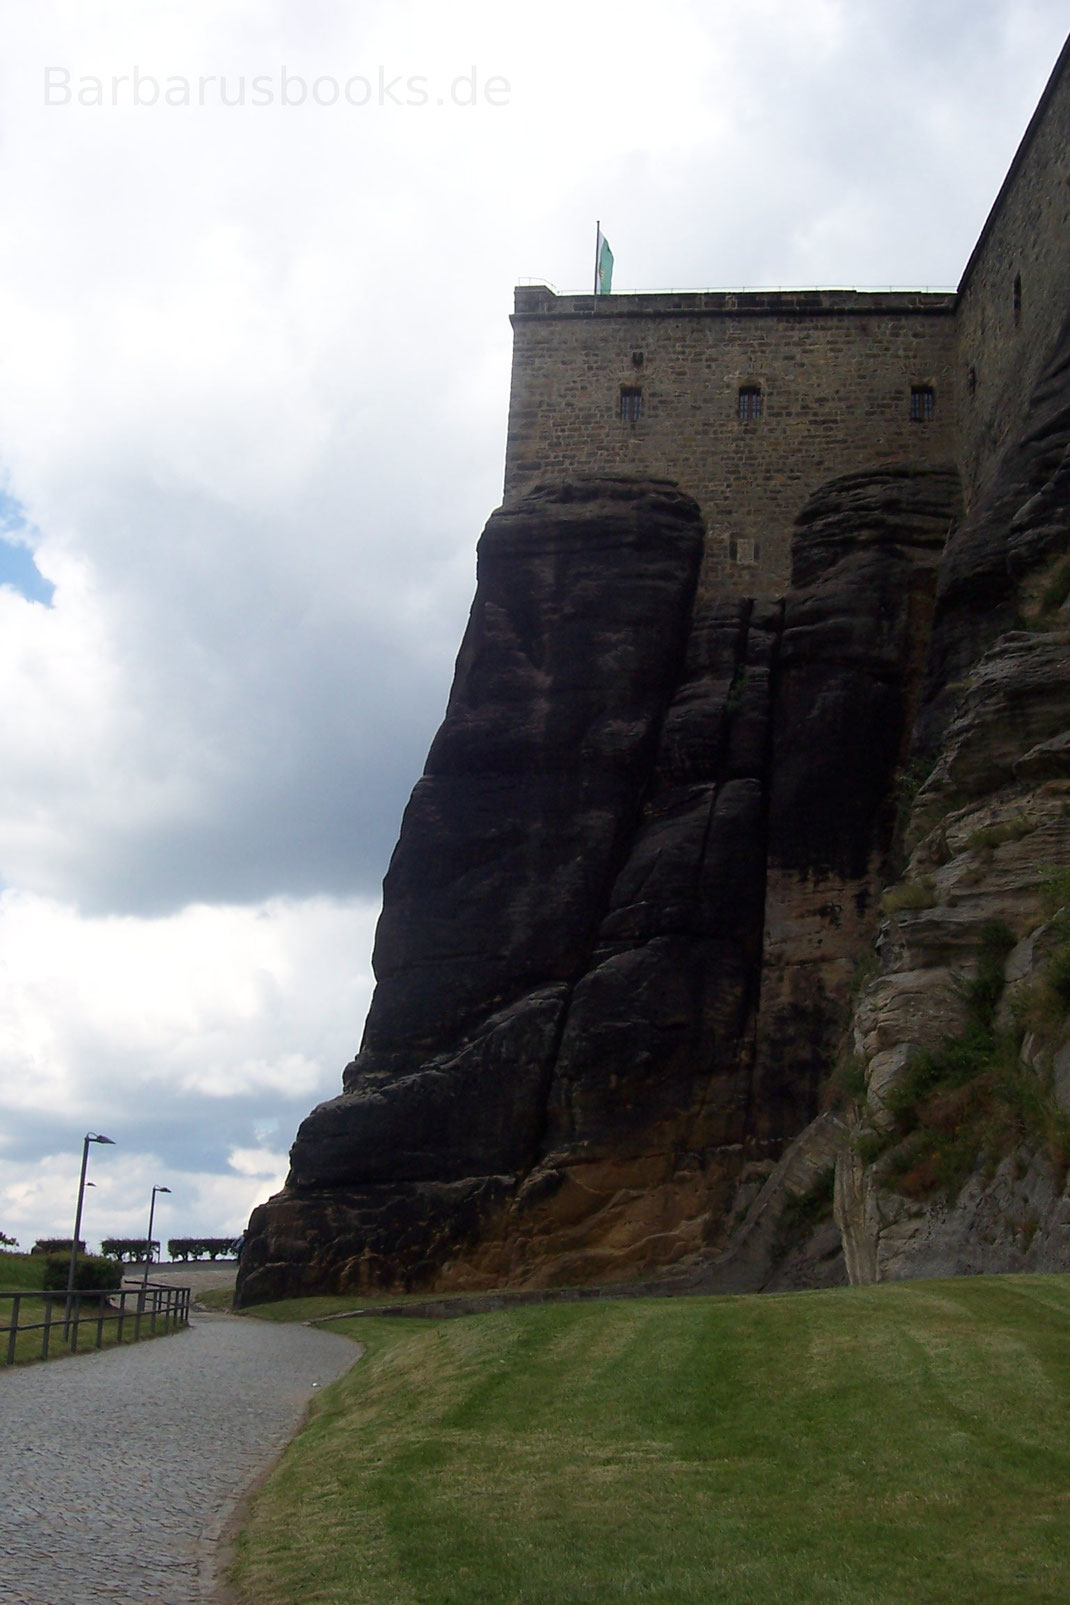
point(748, 289)
point(88, 1320)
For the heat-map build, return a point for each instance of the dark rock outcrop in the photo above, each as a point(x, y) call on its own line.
point(619, 926)
point(849, 675)
point(980, 1182)
point(492, 903)
point(1012, 534)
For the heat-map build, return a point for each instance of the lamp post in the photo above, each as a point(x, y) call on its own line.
point(90, 1136)
point(148, 1245)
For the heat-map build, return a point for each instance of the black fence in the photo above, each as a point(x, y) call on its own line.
point(74, 1321)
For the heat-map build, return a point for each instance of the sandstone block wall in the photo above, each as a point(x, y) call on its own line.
point(835, 370)
point(1005, 337)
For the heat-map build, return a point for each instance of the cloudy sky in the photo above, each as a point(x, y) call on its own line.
point(256, 266)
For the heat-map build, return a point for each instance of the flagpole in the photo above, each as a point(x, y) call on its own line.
point(597, 251)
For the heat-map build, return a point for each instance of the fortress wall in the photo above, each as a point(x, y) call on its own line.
point(1027, 235)
point(835, 369)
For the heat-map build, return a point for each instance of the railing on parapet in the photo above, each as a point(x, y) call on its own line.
point(34, 1325)
point(750, 289)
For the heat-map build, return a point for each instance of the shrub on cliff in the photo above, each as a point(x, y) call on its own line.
point(970, 1102)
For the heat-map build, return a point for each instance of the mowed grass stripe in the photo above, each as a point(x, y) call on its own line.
point(906, 1443)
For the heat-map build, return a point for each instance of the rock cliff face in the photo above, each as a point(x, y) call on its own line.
point(639, 990)
point(622, 920)
point(961, 1108)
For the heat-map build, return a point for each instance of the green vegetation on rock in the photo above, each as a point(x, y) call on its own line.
point(1056, 590)
point(804, 1212)
point(909, 895)
point(847, 1083)
point(909, 780)
point(991, 836)
point(967, 1104)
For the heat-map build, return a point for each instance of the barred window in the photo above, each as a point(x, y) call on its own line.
point(922, 403)
point(750, 403)
point(631, 404)
point(741, 549)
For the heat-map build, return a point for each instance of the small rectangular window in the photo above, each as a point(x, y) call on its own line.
point(922, 403)
point(631, 404)
point(750, 403)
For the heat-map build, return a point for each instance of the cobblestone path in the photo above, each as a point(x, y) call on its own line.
point(119, 1470)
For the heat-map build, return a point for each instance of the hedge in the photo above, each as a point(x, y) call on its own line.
point(126, 1248)
point(187, 1248)
point(55, 1245)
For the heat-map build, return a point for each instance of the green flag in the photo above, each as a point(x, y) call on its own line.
point(604, 269)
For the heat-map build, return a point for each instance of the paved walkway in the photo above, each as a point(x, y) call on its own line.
point(119, 1470)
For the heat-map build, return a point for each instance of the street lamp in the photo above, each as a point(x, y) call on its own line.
point(90, 1136)
point(148, 1246)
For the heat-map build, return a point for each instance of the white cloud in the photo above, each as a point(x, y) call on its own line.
point(258, 1162)
point(193, 1041)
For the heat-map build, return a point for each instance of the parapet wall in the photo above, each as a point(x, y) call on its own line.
point(1015, 291)
point(834, 369)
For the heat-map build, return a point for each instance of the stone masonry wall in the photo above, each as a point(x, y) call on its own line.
point(835, 369)
point(1003, 345)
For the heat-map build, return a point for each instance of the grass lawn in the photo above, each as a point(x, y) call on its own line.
point(18, 1271)
point(216, 1298)
point(907, 1444)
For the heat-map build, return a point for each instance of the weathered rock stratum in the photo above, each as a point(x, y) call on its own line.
point(960, 1118)
point(621, 924)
